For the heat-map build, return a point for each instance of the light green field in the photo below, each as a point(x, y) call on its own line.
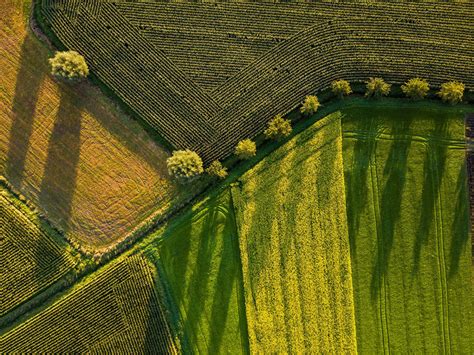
point(30, 258)
point(295, 248)
point(409, 229)
point(115, 312)
point(199, 259)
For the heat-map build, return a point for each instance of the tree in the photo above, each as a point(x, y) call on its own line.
point(416, 88)
point(310, 105)
point(341, 88)
point(246, 149)
point(451, 92)
point(69, 65)
point(278, 128)
point(217, 169)
point(377, 87)
point(184, 165)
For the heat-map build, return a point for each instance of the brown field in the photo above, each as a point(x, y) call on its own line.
point(92, 170)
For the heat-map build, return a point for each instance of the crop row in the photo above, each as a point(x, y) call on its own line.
point(208, 75)
point(141, 76)
point(118, 310)
point(310, 61)
point(30, 259)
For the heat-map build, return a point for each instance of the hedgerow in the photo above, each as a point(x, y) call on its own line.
point(416, 88)
point(278, 128)
point(310, 105)
point(341, 88)
point(246, 149)
point(217, 169)
point(451, 92)
point(377, 87)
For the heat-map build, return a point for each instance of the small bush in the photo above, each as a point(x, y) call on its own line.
point(341, 88)
point(69, 65)
point(416, 88)
point(278, 128)
point(246, 149)
point(310, 105)
point(184, 165)
point(451, 92)
point(377, 87)
point(217, 169)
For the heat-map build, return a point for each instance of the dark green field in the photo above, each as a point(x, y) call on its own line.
point(200, 260)
point(408, 222)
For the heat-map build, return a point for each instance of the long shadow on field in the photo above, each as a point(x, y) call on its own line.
point(198, 285)
point(280, 197)
point(133, 137)
point(59, 177)
point(434, 164)
point(226, 281)
point(258, 238)
point(460, 226)
point(357, 176)
point(28, 82)
point(391, 199)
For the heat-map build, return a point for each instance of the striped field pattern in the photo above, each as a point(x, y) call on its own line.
point(294, 247)
point(408, 215)
point(117, 311)
point(206, 75)
point(30, 259)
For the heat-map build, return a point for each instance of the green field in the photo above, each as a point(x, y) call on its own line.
point(199, 259)
point(409, 229)
point(351, 234)
point(117, 311)
point(295, 248)
point(31, 257)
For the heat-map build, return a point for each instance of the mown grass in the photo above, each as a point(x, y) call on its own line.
point(408, 219)
point(31, 257)
point(115, 311)
point(199, 259)
point(295, 248)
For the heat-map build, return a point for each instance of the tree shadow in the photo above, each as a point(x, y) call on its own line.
point(27, 87)
point(267, 183)
point(226, 280)
point(357, 177)
point(60, 171)
point(460, 226)
point(434, 163)
point(198, 284)
point(391, 199)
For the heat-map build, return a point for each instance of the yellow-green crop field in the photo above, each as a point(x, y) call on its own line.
point(294, 246)
point(117, 311)
point(30, 258)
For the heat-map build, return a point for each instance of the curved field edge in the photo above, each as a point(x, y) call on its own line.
point(32, 254)
point(295, 248)
point(281, 77)
point(117, 309)
point(407, 205)
point(198, 259)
